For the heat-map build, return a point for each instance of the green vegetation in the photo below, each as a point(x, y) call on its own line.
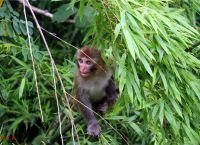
point(154, 43)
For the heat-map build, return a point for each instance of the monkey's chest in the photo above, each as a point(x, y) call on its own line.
point(97, 95)
point(96, 90)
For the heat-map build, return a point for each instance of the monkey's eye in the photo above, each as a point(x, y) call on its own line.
point(80, 60)
point(88, 62)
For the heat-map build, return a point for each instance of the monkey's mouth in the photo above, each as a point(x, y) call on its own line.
point(85, 74)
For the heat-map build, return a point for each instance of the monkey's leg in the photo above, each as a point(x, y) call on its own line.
point(93, 127)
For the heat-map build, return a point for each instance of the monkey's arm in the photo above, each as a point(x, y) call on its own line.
point(112, 92)
point(85, 107)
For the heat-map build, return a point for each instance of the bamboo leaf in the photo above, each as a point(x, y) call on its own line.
point(146, 65)
point(117, 30)
point(135, 72)
point(171, 118)
point(129, 43)
point(153, 23)
point(81, 9)
point(137, 90)
point(16, 26)
point(9, 29)
point(136, 128)
point(122, 81)
point(176, 106)
point(155, 111)
point(162, 44)
point(21, 88)
point(189, 134)
point(129, 89)
point(161, 113)
point(21, 63)
point(164, 81)
point(133, 22)
point(123, 19)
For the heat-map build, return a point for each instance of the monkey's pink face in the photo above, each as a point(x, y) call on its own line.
point(85, 66)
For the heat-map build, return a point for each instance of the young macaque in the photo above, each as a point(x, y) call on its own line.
point(94, 87)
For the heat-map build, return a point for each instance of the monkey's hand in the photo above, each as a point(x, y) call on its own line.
point(103, 107)
point(94, 129)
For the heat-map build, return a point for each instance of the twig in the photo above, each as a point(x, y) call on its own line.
point(58, 108)
point(33, 62)
point(44, 12)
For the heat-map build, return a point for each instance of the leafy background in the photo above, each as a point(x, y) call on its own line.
point(157, 67)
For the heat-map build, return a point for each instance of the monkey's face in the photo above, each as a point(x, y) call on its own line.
point(86, 66)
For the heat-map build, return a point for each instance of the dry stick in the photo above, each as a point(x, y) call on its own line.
point(51, 58)
point(59, 119)
point(43, 12)
point(34, 71)
point(53, 34)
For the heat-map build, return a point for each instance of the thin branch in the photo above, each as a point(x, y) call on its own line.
point(33, 62)
point(44, 12)
point(56, 96)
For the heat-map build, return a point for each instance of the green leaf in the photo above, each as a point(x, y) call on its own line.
point(117, 30)
point(22, 27)
point(129, 42)
point(21, 63)
point(174, 90)
point(155, 111)
point(129, 89)
point(88, 18)
point(146, 65)
point(136, 89)
point(63, 13)
point(116, 118)
point(122, 81)
point(1, 30)
point(171, 118)
point(81, 9)
point(122, 64)
point(196, 88)
point(123, 19)
point(136, 128)
point(164, 81)
point(161, 113)
point(162, 44)
point(16, 26)
point(9, 29)
point(176, 106)
point(153, 23)
point(135, 72)
point(21, 88)
point(190, 135)
point(133, 22)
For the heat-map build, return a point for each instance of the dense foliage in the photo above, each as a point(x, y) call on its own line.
point(154, 45)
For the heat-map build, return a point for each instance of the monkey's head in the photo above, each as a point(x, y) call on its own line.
point(88, 60)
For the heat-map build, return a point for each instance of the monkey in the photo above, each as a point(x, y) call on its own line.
point(94, 87)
